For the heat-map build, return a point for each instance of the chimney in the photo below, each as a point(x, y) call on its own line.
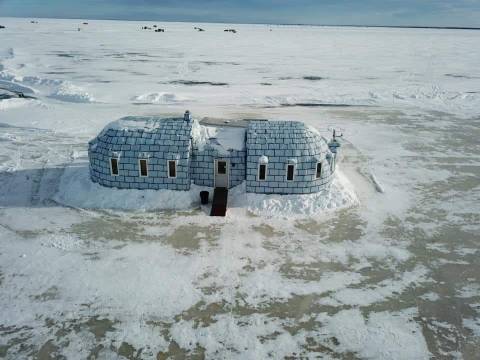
point(187, 116)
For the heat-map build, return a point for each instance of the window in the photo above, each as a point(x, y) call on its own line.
point(318, 173)
point(290, 172)
point(142, 165)
point(114, 166)
point(221, 167)
point(172, 168)
point(262, 172)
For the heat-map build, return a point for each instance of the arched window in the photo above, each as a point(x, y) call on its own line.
point(262, 168)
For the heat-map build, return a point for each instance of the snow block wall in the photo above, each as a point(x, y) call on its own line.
point(154, 139)
point(203, 163)
point(279, 143)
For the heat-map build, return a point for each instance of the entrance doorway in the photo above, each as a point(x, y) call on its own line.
point(221, 173)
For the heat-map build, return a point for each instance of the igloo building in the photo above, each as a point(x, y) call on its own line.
point(272, 157)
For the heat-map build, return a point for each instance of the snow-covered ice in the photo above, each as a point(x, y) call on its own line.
point(384, 266)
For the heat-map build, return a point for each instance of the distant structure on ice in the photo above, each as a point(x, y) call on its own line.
point(273, 157)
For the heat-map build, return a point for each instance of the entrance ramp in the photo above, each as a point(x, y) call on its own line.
point(219, 203)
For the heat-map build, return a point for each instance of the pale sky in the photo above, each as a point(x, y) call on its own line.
point(461, 13)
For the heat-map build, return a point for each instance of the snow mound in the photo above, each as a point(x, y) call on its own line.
point(71, 93)
point(339, 195)
point(38, 81)
point(77, 190)
point(56, 88)
point(222, 139)
point(14, 87)
point(18, 103)
point(201, 134)
point(157, 98)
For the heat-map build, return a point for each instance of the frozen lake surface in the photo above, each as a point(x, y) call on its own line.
point(395, 275)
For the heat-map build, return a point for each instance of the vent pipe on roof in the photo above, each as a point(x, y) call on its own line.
point(334, 144)
point(187, 116)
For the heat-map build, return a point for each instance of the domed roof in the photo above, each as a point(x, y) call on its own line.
point(296, 135)
point(140, 130)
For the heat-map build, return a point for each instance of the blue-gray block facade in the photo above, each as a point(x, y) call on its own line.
point(279, 144)
point(202, 170)
point(132, 139)
point(272, 157)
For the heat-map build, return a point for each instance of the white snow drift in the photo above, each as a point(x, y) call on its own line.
point(77, 190)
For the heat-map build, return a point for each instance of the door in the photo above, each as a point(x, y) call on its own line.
point(221, 173)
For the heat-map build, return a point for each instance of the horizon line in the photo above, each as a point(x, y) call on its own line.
point(256, 23)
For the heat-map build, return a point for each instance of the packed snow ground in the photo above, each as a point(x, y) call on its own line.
point(396, 276)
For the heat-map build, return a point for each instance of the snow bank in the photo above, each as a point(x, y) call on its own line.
point(231, 138)
point(221, 138)
point(157, 98)
point(201, 134)
point(77, 190)
point(14, 87)
point(339, 195)
point(13, 103)
point(55, 88)
point(71, 93)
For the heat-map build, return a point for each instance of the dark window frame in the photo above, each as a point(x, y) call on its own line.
point(259, 173)
point(318, 171)
point(140, 167)
point(287, 177)
point(114, 168)
point(169, 169)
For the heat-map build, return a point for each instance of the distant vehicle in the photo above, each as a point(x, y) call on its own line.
point(231, 30)
point(146, 28)
point(33, 22)
point(2, 27)
point(160, 30)
point(85, 23)
point(199, 29)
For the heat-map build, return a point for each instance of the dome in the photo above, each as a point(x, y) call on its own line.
point(300, 139)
